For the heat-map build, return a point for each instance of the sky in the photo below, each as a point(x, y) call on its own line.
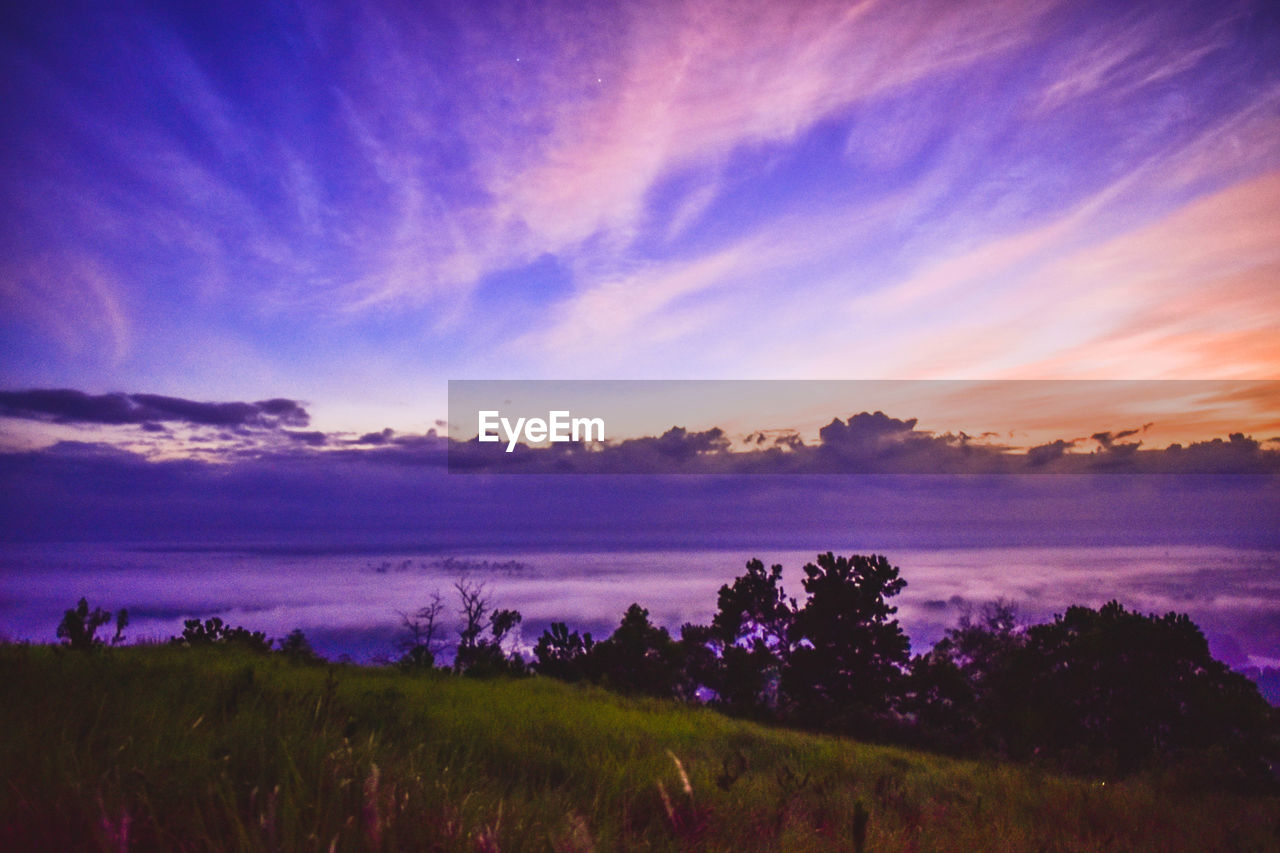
point(245, 247)
point(349, 204)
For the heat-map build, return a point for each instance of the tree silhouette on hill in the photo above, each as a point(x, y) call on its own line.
point(848, 656)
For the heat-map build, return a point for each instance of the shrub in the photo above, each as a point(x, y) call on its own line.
point(214, 632)
point(297, 648)
point(80, 625)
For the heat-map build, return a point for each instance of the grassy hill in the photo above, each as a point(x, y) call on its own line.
point(160, 747)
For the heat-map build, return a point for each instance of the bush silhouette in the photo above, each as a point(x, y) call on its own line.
point(80, 625)
point(965, 691)
point(297, 648)
point(1108, 691)
point(214, 632)
point(562, 654)
point(1112, 690)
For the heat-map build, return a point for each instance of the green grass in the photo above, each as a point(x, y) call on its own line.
point(158, 747)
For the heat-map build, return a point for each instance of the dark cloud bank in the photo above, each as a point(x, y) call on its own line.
point(62, 405)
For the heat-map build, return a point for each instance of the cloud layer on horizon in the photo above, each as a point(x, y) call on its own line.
point(138, 425)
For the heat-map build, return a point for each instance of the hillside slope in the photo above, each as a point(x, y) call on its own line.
point(146, 748)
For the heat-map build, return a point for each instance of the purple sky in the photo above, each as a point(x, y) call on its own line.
point(350, 203)
point(244, 248)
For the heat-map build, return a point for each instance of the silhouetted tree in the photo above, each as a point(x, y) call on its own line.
point(1111, 690)
point(297, 648)
point(122, 622)
point(486, 657)
point(79, 625)
point(562, 654)
point(848, 655)
point(479, 654)
point(474, 605)
point(748, 640)
point(964, 692)
point(1106, 691)
point(419, 645)
point(482, 632)
point(637, 658)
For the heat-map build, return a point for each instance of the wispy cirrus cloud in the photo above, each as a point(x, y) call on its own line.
point(1172, 258)
point(74, 298)
point(1197, 288)
point(561, 145)
point(664, 188)
point(694, 82)
point(986, 252)
point(1121, 53)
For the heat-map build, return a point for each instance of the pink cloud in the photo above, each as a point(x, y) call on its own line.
point(74, 299)
point(1120, 56)
point(1191, 296)
point(693, 82)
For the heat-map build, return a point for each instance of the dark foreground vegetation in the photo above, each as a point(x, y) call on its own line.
point(1103, 729)
point(1106, 692)
point(214, 748)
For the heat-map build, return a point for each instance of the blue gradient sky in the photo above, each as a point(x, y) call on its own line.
point(350, 203)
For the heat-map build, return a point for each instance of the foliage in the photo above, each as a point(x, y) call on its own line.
point(639, 657)
point(831, 663)
point(485, 657)
point(79, 626)
point(1111, 689)
point(486, 636)
point(835, 662)
point(1108, 691)
point(561, 654)
point(214, 632)
point(191, 748)
point(479, 654)
point(297, 648)
point(749, 636)
point(419, 645)
point(964, 692)
point(848, 655)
